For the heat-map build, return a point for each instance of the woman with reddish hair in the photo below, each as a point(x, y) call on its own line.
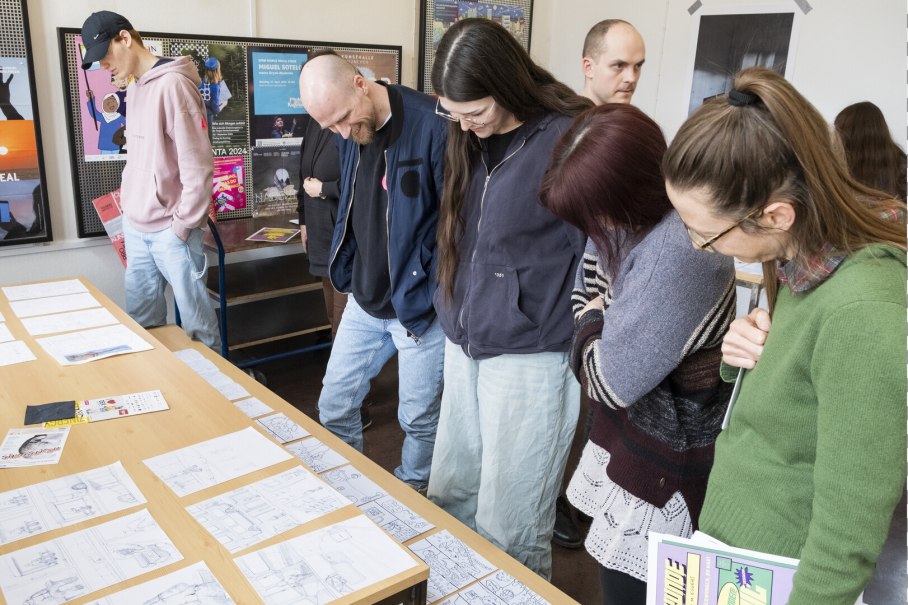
point(650, 312)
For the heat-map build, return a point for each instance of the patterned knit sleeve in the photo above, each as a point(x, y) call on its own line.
point(669, 301)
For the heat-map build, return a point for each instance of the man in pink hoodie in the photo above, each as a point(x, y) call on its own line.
point(166, 187)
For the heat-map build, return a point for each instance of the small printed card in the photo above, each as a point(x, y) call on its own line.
point(273, 234)
point(32, 447)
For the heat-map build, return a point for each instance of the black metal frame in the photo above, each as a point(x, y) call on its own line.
point(45, 206)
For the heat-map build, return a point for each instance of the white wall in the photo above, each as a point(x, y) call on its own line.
point(846, 51)
point(362, 21)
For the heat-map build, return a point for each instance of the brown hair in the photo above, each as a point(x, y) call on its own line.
point(779, 146)
point(136, 37)
point(477, 58)
point(605, 174)
point(873, 157)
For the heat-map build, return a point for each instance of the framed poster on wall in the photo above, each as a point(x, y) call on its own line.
point(436, 16)
point(255, 125)
point(24, 212)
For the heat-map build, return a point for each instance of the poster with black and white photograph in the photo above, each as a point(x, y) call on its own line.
point(728, 43)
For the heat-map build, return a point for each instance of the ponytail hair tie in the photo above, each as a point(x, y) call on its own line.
point(740, 99)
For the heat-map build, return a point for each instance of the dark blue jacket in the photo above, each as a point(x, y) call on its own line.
point(512, 289)
point(414, 173)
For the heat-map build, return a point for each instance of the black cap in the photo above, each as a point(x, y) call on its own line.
point(97, 32)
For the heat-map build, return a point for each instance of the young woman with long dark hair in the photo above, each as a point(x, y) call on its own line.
point(510, 403)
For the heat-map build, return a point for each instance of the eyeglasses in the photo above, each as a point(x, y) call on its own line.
point(705, 244)
point(443, 113)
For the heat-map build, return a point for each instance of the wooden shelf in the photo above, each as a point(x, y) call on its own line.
point(264, 278)
point(270, 319)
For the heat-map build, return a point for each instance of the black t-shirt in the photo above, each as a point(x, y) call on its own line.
point(371, 285)
point(497, 146)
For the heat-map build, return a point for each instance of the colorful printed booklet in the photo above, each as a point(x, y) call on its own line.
point(701, 570)
point(273, 234)
point(94, 410)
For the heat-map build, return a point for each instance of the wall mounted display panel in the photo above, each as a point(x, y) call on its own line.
point(256, 120)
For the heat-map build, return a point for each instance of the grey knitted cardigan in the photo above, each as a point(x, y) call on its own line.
point(651, 359)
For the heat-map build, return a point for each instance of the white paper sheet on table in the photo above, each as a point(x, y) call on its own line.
point(353, 485)
point(396, 518)
point(5, 334)
point(499, 588)
point(510, 590)
point(32, 447)
point(42, 507)
point(225, 385)
point(253, 407)
point(199, 466)
point(54, 304)
point(44, 289)
point(68, 322)
point(91, 345)
point(326, 564)
point(77, 564)
point(282, 428)
point(452, 564)
point(253, 513)
point(15, 352)
point(193, 585)
point(316, 455)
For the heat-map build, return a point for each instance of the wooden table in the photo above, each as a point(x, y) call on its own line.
point(198, 412)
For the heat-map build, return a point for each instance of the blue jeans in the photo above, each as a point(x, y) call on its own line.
point(155, 259)
point(503, 439)
point(362, 347)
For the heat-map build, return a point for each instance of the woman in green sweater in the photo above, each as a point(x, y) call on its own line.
point(812, 463)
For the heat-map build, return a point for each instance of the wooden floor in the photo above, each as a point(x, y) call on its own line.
point(298, 380)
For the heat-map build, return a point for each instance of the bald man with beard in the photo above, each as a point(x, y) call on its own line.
point(392, 151)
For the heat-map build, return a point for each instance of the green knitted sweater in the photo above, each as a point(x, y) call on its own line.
point(813, 461)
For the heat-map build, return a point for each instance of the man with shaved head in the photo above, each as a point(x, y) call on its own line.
point(392, 148)
point(613, 57)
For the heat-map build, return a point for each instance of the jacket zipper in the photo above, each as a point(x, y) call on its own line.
point(346, 219)
point(482, 202)
point(387, 215)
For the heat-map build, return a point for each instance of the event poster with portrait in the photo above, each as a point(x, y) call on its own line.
point(249, 89)
point(222, 70)
point(24, 212)
point(274, 95)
